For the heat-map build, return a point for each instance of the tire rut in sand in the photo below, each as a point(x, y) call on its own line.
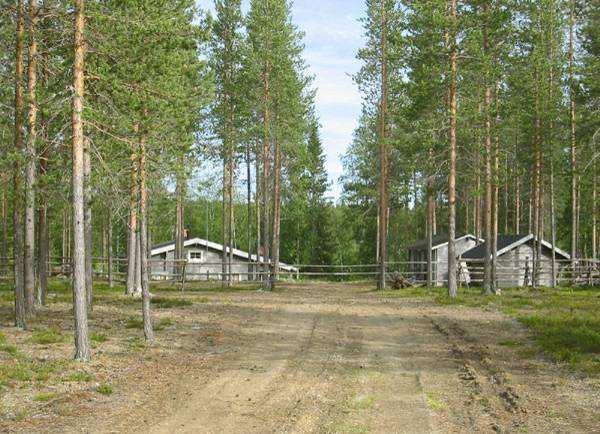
point(493, 403)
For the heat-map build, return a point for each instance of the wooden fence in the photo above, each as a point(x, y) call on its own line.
point(470, 272)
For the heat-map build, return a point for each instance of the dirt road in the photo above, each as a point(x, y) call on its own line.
point(343, 359)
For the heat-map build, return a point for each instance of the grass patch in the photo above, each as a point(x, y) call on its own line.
point(168, 303)
point(134, 323)
point(364, 402)
point(44, 397)
point(46, 337)
point(105, 389)
point(163, 323)
point(510, 343)
point(98, 337)
point(7, 348)
point(434, 402)
point(80, 377)
point(564, 321)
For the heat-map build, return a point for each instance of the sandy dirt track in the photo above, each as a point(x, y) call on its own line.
point(326, 358)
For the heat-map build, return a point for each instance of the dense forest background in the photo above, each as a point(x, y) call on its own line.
point(209, 91)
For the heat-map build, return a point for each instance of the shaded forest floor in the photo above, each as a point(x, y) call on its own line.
point(311, 357)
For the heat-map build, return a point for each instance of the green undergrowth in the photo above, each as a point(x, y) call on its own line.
point(47, 336)
point(565, 321)
point(137, 323)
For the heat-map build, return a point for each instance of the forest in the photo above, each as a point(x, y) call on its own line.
point(128, 124)
point(142, 139)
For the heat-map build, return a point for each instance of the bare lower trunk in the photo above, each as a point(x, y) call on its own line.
point(552, 224)
point(383, 156)
point(4, 245)
point(537, 196)
point(517, 216)
point(30, 171)
point(180, 193)
point(147, 319)
point(87, 212)
point(43, 254)
point(20, 308)
point(276, 224)
point(138, 263)
point(43, 241)
point(487, 266)
point(109, 248)
point(133, 229)
point(452, 257)
point(574, 175)
point(266, 152)
point(495, 201)
point(595, 212)
point(429, 231)
point(231, 218)
point(66, 224)
point(82, 344)
point(225, 218)
point(249, 209)
point(257, 200)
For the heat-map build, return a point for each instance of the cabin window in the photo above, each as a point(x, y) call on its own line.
point(195, 256)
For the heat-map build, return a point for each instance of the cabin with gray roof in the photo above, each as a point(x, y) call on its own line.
point(204, 260)
point(515, 261)
point(417, 256)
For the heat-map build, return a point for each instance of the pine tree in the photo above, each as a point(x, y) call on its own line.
point(82, 343)
point(226, 56)
point(279, 97)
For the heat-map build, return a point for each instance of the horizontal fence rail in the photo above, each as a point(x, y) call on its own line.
point(508, 273)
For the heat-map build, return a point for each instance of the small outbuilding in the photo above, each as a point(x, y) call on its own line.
point(417, 256)
point(515, 261)
point(204, 259)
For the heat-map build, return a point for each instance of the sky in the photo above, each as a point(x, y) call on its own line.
point(333, 36)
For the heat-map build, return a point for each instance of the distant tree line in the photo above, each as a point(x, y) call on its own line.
point(481, 117)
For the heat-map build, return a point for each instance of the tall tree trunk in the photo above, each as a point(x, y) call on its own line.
point(488, 205)
point(30, 171)
point(82, 343)
point(452, 263)
point(517, 216)
point(276, 224)
point(20, 308)
point(66, 242)
point(225, 224)
point(495, 197)
point(143, 238)
point(595, 210)
point(4, 245)
point(133, 228)
point(87, 212)
point(537, 193)
point(249, 209)
point(266, 152)
point(109, 245)
point(231, 221)
point(430, 204)
point(180, 193)
point(477, 207)
point(138, 261)
point(552, 223)
point(574, 173)
point(257, 200)
point(383, 154)
point(43, 233)
point(487, 265)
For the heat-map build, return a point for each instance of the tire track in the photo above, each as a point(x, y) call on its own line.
point(490, 391)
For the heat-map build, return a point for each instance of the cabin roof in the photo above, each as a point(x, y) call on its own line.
point(507, 243)
point(439, 241)
point(170, 246)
